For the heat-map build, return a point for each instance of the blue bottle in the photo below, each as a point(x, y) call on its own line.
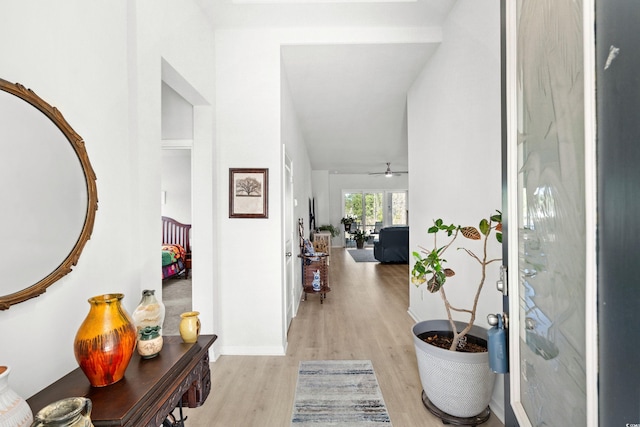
point(497, 346)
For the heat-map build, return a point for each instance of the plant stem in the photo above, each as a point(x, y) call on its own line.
point(483, 263)
point(447, 306)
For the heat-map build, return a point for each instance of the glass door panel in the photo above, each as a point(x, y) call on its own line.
point(550, 367)
point(352, 208)
point(373, 211)
point(398, 208)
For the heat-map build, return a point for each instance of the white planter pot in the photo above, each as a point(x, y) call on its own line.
point(459, 384)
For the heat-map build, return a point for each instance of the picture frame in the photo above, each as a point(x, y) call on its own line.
point(248, 193)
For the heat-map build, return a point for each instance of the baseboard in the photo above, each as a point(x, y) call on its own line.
point(497, 408)
point(252, 351)
point(413, 315)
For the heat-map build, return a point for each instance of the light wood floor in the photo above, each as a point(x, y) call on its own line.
point(363, 318)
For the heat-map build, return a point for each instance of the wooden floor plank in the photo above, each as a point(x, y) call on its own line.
point(364, 317)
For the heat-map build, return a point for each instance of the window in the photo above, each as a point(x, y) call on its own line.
point(398, 208)
point(375, 209)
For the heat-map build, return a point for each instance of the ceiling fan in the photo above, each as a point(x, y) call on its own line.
point(388, 173)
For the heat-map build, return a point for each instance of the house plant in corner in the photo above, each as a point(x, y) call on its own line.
point(456, 380)
point(360, 236)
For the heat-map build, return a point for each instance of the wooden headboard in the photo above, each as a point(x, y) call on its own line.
point(177, 233)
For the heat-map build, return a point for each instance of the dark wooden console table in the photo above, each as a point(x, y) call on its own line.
point(150, 390)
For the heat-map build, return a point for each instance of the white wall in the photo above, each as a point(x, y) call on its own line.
point(177, 115)
point(86, 60)
point(68, 61)
point(296, 149)
point(321, 193)
point(248, 118)
point(454, 150)
point(173, 43)
point(248, 123)
point(59, 59)
point(176, 184)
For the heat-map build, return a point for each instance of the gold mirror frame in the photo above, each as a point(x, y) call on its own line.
point(65, 267)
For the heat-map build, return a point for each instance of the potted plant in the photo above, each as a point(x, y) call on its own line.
point(329, 228)
point(360, 236)
point(444, 346)
point(347, 221)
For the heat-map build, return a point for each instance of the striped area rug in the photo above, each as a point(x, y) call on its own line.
point(338, 393)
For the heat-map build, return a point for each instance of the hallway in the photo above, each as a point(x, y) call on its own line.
point(364, 317)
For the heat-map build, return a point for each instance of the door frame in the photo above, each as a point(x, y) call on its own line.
point(510, 418)
point(513, 409)
point(288, 266)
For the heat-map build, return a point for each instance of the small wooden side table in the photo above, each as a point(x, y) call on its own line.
point(311, 264)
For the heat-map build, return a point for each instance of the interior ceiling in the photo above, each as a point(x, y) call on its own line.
point(350, 99)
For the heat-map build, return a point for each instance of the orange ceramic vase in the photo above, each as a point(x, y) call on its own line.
point(105, 341)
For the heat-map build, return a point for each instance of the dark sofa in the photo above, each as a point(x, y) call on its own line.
point(392, 245)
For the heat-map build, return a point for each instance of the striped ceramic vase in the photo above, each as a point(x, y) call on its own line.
point(14, 410)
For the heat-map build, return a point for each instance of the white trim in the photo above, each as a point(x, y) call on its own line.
point(288, 295)
point(591, 205)
point(512, 212)
point(253, 351)
point(272, 2)
point(591, 321)
point(178, 83)
point(176, 144)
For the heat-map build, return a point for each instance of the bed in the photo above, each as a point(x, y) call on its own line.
point(176, 248)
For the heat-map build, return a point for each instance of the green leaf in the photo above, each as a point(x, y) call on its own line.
point(499, 237)
point(484, 227)
point(433, 229)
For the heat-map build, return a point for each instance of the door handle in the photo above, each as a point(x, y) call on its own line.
point(501, 283)
point(288, 254)
point(492, 319)
point(529, 324)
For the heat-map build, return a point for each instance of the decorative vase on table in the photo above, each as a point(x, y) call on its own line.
point(14, 410)
point(150, 311)
point(149, 342)
point(105, 341)
point(69, 412)
point(189, 326)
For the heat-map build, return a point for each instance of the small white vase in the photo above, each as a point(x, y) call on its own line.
point(14, 410)
point(150, 311)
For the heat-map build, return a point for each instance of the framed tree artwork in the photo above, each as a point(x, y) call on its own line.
point(248, 193)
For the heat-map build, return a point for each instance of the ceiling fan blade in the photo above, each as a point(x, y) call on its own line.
point(389, 172)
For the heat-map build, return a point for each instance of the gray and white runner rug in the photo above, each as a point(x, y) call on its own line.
point(338, 393)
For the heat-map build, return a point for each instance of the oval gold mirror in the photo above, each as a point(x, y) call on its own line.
point(48, 195)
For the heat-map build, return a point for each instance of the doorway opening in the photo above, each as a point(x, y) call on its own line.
point(373, 210)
